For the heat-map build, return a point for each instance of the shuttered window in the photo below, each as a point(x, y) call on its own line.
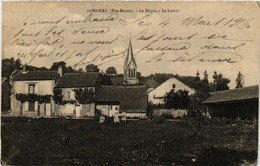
point(31, 88)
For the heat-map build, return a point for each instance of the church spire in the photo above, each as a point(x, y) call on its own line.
point(130, 67)
point(130, 55)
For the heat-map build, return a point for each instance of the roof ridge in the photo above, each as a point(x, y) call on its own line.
point(234, 89)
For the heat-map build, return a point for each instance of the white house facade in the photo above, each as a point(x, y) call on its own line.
point(31, 93)
point(156, 96)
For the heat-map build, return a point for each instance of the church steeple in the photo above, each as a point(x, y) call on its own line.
point(130, 67)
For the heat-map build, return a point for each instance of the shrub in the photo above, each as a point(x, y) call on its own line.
point(178, 100)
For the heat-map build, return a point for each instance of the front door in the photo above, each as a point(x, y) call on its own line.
point(31, 106)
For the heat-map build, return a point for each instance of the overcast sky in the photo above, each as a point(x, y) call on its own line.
point(162, 34)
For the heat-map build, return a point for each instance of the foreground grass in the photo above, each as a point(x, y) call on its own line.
point(82, 142)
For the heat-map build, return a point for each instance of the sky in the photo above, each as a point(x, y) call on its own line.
point(167, 37)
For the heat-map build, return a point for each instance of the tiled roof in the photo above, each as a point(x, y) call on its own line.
point(245, 93)
point(73, 80)
point(35, 75)
point(131, 98)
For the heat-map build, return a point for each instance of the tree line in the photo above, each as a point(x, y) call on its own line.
point(151, 81)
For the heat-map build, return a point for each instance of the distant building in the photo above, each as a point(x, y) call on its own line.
point(130, 67)
point(32, 86)
point(118, 99)
point(156, 95)
point(234, 103)
point(71, 81)
point(6, 93)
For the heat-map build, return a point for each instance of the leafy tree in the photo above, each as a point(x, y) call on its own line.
point(84, 95)
point(195, 106)
point(220, 82)
point(69, 69)
point(80, 70)
point(151, 83)
point(239, 80)
point(9, 65)
point(57, 97)
point(111, 70)
point(18, 64)
point(92, 68)
point(160, 77)
point(177, 99)
point(56, 65)
point(138, 75)
point(105, 79)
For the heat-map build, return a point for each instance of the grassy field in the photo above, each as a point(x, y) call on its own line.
point(145, 142)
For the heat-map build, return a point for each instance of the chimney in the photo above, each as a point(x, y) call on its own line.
point(24, 68)
point(60, 71)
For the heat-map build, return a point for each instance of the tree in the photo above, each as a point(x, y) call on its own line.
point(220, 82)
point(195, 106)
point(111, 70)
point(57, 95)
point(205, 79)
point(92, 68)
point(197, 78)
point(80, 70)
point(105, 79)
point(9, 65)
point(56, 65)
point(239, 80)
point(84, 95)
point(18, 64)
point(177, 99)
point(138, 75)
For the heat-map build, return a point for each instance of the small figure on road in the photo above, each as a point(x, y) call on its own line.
point(102, 119)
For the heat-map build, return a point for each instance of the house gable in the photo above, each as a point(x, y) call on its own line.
point(157, 94)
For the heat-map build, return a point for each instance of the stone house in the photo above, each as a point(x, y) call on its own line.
point(69, 83)
point(32, 91)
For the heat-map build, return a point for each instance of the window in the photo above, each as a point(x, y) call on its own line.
point(173, 86)
point(129, 72)
point(31, 88)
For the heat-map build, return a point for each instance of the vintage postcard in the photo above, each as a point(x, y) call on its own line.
point(130, 83)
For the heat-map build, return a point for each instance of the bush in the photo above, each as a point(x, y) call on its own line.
point(178, 100)
point(199, 121)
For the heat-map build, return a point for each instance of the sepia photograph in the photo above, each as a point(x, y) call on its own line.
point(130, 83)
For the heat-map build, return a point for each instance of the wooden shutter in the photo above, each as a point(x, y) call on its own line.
point(26, 106)
point(36, 89)
point(26, 88)
point(36, 105)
